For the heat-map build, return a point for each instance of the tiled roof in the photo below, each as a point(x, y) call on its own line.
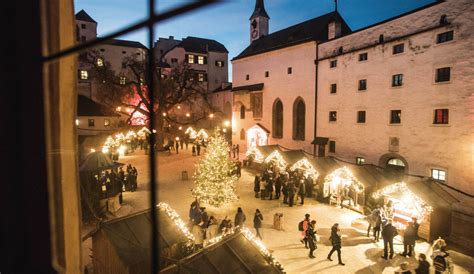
point(125, 43)
point(201, 45)
point(83, 16)
point(312, 30)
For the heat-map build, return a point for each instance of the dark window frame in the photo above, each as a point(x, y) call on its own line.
point(277, 119)
point(445, 37)
point(441, 116)
point(290, 70)
point(332, 116)
point(361, 116)
point(362, 84)
point(333, 88)
point(397, 80)
point(395, 116)
point(332, 146)
point(247, 77)
point(267, 74)
point(443, 75)
point(299, 119)
point(333, 64)
point(91, 122)
point(363, 56)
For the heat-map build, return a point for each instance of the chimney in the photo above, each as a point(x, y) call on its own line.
point(171, 37)
point(334, 29)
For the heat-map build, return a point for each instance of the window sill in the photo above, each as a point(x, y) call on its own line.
point(398, 54)
point(363, 61)
point(332, 122)
point(361, 124)
point(332, 93)
point(361, 91)
point(397, 87)
point(436, 44)
point(442, 83)
point(395, 125)
point(440, 125)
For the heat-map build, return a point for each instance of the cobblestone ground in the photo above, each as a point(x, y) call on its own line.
point(360, 253)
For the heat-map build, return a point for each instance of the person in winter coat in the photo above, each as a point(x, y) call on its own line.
point(239, 217)
point(311, 238)
point(284, 189)
point(257, 222)
point(256, 185)
point(441, 260)
point(269, 187)
point(302, 191)
point(195, 212)
point(388, 233)
point(309, 186)
point(306, 223)
point(278, 184)
point(212, 228)
point(291, 193)
point(423, 265)
point(409, 238)
point(263, 188)
point(335, 239)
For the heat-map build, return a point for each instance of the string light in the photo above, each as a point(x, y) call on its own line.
point(343, 177)
point(252, 238)
point(306, 166)
point(258, 156)
point(177, 220)
point(276, 157)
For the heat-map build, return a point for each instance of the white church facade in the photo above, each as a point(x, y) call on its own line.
point(398, 94)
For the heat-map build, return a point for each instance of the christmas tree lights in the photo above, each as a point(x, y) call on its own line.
point(214, 179)
point(305, 165)
point(343, 177)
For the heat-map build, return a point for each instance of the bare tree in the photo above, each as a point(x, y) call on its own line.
point(173, 86)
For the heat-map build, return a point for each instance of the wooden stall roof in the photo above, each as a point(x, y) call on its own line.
point(233, 254)
point(371, 175)
point(431, 192)
point(131, 235)
point(293, 156)
point(324, 165)
point(268, 149)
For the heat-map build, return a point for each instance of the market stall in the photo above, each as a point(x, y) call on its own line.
point(305, 166)
point(343, 186)
point(258, 154)
point(423, 199)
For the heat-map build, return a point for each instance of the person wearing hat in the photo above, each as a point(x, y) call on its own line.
point(335, 239)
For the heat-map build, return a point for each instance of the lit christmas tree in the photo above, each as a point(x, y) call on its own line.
point(215, 184)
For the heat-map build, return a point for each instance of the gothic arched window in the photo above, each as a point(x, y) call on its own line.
point(277, 117)
point(242, 112)
point(299, 117)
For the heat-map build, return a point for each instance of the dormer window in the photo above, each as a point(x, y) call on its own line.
point(100, 62)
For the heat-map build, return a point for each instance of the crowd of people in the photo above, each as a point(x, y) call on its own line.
point(293, 185)
point(116, 181)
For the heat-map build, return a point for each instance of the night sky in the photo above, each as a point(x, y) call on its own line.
point(228, 22)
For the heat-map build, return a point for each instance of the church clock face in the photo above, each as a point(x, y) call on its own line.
point(254, 34)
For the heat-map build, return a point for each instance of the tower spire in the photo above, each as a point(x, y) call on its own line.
point(259, 10)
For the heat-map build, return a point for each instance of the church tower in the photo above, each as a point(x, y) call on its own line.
point(258, 21)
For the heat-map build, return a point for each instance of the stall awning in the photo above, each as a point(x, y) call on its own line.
point(254, 87)
point(320, 141)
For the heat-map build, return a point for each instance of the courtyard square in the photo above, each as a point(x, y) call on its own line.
point(360, 253)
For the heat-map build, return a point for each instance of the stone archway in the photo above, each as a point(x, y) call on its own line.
point(394, 162)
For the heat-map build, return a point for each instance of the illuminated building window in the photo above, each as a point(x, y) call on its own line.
point(202, 77)
point(190, 59)
point(441, 116)
point(360, 160)
point(220, 64)
point(395, 116)
point(438, 174)
point(91, 122)
point(202, 60)
point(100, 62)
point(106, 122)
point(123, 80)
point(332, 116)
point(83, 75)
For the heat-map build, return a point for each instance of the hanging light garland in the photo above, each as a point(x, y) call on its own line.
point(252, 238)
point(177, 220)
point(306, 166)
point(276, 156)
point(191, 132)
point(255, 152)
point(343, 177)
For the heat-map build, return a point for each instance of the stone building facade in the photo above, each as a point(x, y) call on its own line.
point(398, 94)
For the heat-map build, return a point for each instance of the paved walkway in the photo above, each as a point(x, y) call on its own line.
point(360, 254)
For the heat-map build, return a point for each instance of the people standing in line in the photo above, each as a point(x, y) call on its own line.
point(409, 238)
point(291, 194)
point(256, 185)
point(388, 233)
point(177, 147)
point(311, 238)
point(269, 188)
point(240, 218)
point(257, 222)
point(263, 188)
point(304, 229)
point(198, 149)
point(302, 191)
point(423, 265)
point(336, 242)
